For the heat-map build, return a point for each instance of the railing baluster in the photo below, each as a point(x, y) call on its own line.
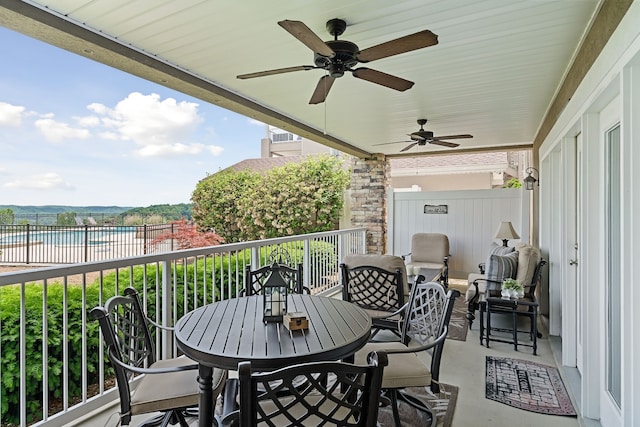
point(215, 269)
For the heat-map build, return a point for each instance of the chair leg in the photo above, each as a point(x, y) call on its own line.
point(155, 421)
point(419, 405)
point(161, 420)
point(393, 395)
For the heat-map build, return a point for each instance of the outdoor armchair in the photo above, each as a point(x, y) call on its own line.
point(423, 332)
point(307, 394)
point(378, 284)
point(147, 385)
point(430, 250)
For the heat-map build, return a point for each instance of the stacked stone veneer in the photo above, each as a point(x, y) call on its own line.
point(369, 183)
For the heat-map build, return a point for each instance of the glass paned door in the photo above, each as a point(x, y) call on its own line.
point(614, 349)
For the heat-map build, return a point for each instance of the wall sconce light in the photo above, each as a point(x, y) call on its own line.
point(530, 180)
point(506, 232)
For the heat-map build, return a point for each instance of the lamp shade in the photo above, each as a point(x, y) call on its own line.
point(506, 232)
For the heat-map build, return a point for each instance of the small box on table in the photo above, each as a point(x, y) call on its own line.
point(296, 321)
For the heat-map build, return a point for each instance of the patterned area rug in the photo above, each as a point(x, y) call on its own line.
point(527, 385)
point(458, 325)
point(443, 405)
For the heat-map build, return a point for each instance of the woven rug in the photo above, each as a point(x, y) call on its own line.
point(527, 385)
point(458, 325)
point(443, 405)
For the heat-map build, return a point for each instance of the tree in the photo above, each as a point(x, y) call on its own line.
point(215, 201)
point(188, 236)
point(66, 218)
point(7, 216)
point(293, 199)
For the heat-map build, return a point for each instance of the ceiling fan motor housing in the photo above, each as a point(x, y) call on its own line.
point(345, 57)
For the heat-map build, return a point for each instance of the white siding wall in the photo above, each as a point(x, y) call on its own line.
point(471, 222)
point(613, 80)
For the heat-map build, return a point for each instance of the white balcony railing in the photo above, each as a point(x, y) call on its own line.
point(52, 360)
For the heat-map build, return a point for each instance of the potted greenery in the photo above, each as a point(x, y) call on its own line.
point(511, 288)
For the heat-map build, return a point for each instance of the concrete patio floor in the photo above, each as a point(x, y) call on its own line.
point(463, 365)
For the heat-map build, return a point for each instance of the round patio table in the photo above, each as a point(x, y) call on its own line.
point(224, 333)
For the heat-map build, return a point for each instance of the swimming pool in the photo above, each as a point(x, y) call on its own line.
point(89, 236)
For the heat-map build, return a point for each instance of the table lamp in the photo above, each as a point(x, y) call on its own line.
point(275, 291)
point(506, 232)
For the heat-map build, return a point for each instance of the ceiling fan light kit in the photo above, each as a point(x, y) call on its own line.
point(339, 56)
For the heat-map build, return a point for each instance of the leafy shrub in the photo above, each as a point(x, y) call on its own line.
point(297, 198)
point(190, 276)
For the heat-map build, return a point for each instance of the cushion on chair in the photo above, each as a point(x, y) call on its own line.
point(429, 248)
point(161, 392)
point(496, 249)
point(387, 262)
point(500, 267)
point(528, 258)
point(403, 370)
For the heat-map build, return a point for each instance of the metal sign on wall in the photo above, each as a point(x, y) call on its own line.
point(436, 209)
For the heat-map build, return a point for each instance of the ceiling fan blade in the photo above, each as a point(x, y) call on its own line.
point(276, 71)
point(382, 79)
point(394, 47)
point(443, 143)
point(396, 142)
point(300, 31)
point(408, 147)
point(322, 90)
point(466, 135)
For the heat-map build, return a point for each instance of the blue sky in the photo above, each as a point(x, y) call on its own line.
point(77, 132)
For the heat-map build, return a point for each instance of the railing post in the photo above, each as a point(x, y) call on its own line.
point(28, 242)
point(306, 264)
point(255, 258)
point(144, 238)
point(167, 304)
point(86, 243)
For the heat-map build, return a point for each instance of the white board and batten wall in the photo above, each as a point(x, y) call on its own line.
point(471, 221)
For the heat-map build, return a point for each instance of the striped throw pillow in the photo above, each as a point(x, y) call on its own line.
point(502, 267)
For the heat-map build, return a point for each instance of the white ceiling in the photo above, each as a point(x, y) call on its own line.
point(493, 74)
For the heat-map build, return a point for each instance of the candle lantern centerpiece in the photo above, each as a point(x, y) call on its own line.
point(275, 291)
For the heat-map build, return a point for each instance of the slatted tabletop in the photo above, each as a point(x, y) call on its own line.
point(225, 333)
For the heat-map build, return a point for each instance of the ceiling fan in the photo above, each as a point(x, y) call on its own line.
point(422, 137)
point(338, 56)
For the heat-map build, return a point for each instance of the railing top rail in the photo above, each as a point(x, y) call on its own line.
point(35, 274)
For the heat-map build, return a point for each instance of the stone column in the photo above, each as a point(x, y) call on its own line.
point(369, 183)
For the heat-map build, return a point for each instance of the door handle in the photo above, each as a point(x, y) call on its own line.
point(573, 262)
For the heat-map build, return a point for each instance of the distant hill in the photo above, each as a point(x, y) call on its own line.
point(115, 215)
point(55, 209)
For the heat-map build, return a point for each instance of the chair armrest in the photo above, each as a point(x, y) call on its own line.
point(420, 348)
point(159, 326)
point(153, 370)
point(404, 257)
point(481, 267)
point(401, 310)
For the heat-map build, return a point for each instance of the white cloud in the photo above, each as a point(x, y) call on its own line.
point(159, 127)
point(10, 115)
point(255, 122)
point(87, 121)
point(167, 150)
point(57, 131)
point(47, 181)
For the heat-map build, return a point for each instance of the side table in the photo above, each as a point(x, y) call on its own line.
point(515, 307)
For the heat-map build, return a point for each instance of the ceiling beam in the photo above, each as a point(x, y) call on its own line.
point(606, 21)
